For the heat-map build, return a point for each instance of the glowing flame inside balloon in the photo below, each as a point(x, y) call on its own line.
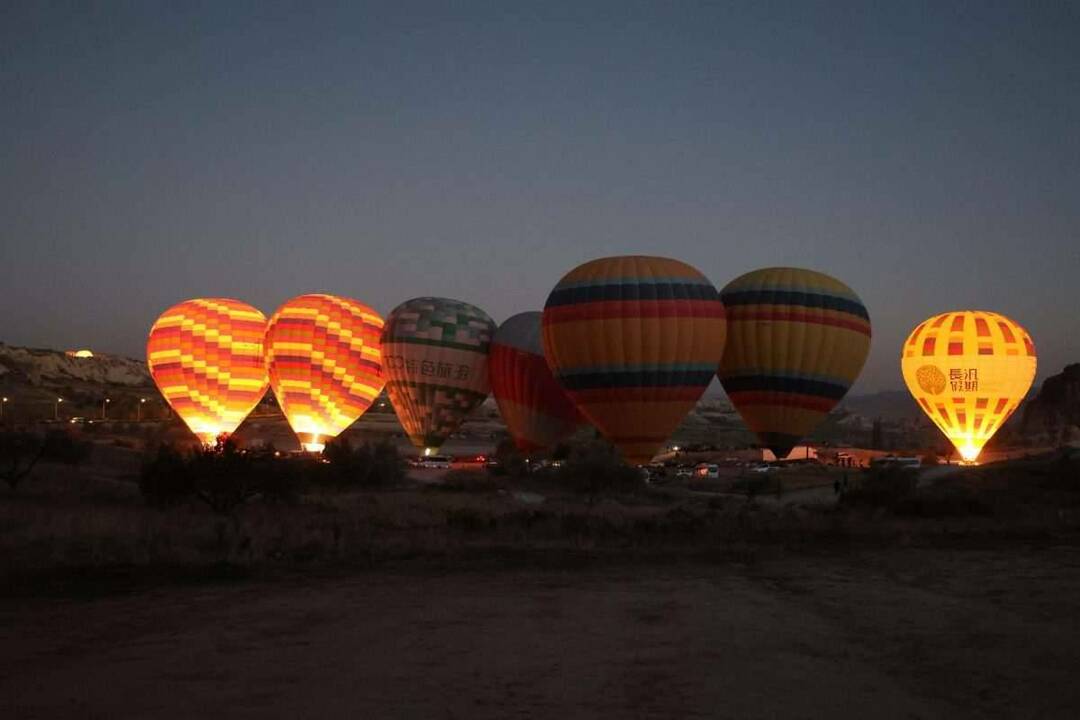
point(968, 370)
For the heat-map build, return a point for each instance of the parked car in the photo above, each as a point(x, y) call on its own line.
point(440, 462)
point(706, 471)
point(465, 462)
point(684, 471)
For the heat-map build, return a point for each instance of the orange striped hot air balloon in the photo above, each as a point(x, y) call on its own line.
point(206, 357)
point(968, 370)
point(635, 342)
point(324, 358)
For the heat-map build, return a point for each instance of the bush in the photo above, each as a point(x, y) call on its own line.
point(883, 487)
point(511, 461)
point(166, 479)
point(949, 500)
point(369, 465)
point(19, 452)
point(223, 477)
point(596, 468)
point(226, 476)
point(61, 446)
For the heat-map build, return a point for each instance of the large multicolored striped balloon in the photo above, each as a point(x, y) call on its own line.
point(206, 357)
point(537, 411)
point(635, 341)
point(797, 340)
point(969, 370)
point(436, 356)
point(324, 356)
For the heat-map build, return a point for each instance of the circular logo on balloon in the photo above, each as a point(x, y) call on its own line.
point(931, 379)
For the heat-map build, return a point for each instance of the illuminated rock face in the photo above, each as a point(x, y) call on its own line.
point(968, 370)
point(206, 357)
point(324, 358)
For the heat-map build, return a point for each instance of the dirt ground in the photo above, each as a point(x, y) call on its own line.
point(902, 634)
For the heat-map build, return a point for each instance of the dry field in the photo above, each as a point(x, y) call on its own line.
point(891, 634)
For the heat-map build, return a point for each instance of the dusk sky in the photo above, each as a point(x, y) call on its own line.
point(926, 154)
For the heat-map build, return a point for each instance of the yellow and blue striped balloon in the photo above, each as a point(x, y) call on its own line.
point(797, 340)
point(635, 341)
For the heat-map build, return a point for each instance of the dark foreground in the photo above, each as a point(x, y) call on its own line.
point(897, 634)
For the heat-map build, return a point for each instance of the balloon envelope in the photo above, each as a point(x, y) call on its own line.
point(436, 358)
point(797, 340)
point(635, 341)
point(968, 370)
point(206, 357)
point(537, 411)
point(324, 358)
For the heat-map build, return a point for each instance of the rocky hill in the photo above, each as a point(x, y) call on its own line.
point(1054, 413)
point(49, 368)
point(32, 379)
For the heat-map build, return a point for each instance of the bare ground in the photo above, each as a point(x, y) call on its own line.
point(897, 634)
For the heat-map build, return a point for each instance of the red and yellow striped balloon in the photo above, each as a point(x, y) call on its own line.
point(206, 357)
point(324, 357)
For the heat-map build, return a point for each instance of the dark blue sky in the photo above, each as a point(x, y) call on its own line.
point(926, 154)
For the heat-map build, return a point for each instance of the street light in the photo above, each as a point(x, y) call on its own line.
point(104, 403)
point(56, 408)
point(141, 401)
point(2, 404)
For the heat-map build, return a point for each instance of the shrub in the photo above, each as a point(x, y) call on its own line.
point(166, 479)
point(596, 468)
point(511, 461)
point(19, 452)
point(61, 446)
point(883, 487)
point(369, 465)
point(223, 477)
point(227, 476)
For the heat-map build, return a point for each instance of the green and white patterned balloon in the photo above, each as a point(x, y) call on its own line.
point(435, 354)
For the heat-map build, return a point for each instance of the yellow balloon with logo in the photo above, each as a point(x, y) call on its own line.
point(969, 370)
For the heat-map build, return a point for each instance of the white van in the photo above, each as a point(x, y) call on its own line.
point(441, 462)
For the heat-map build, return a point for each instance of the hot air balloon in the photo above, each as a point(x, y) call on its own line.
point(537, 411)
point(436, 354)
point(324, 358)
point(635, 341)
point(968, 370)
point(206, 357)
point(797, 340)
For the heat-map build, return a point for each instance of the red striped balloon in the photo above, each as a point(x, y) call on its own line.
point(537, 411)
